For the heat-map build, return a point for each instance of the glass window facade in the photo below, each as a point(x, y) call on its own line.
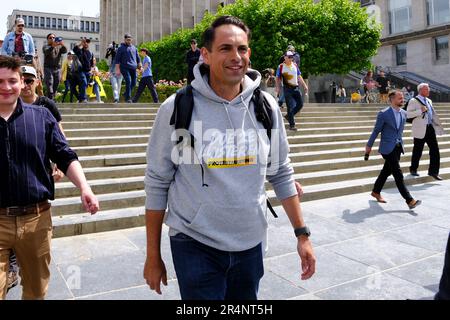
point(400, 53)
point(441, 48)
point(438, 11)
point(400, 15)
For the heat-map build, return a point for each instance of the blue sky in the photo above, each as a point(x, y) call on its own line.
point(74, 7)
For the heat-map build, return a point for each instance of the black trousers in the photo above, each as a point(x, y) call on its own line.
point(435, 157)
point(444, 286)
point(146, 82)
point(392, 166)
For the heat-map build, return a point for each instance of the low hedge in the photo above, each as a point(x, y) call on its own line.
point(163, 89)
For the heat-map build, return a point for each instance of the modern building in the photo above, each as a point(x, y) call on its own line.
point(150, 20)
point(70, 28)
point(415, 37)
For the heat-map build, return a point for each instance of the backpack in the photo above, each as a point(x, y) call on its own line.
point(410, 120)
point(182, 116)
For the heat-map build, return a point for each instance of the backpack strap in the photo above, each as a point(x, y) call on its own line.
point(182, 111)
point(263, 111)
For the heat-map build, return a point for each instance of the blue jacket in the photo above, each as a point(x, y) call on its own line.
point(390, 134)
point(127, 57)
point(9, 44)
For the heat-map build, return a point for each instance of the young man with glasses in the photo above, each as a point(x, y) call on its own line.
point(18, 42)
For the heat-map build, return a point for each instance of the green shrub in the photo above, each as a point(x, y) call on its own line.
point(332, 36)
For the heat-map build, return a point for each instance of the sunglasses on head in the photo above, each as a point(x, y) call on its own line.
point(29, 81)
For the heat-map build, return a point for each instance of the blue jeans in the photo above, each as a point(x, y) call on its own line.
point(84, 76)
point(294, 103)
point(130, 81)
point(205, 273)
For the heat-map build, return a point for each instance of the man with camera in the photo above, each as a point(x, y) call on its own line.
point(53, 51)
point(18, 43)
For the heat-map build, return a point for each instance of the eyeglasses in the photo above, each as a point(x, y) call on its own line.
point(21, 25)
point(29, 81)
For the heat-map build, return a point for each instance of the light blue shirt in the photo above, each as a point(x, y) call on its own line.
point(147, 72)
point(398, 119)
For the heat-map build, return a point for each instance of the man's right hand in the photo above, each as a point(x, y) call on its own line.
point(155, 273)
point(424, 109)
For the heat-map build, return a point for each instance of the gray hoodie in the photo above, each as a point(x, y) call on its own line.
point(226, 207)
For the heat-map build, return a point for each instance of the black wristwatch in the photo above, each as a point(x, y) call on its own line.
point(302, 232)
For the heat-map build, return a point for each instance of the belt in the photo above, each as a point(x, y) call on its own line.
point(290, 87)
point(26, 210)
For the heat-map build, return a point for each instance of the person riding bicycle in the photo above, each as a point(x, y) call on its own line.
point(18, 43)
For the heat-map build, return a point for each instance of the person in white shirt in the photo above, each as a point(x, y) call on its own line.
point(425, 126)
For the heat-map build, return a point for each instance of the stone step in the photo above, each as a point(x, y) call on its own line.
point(301, 157)
point(300, 122)
point(109, 201)
point(111, 140)
point(106, 132)
point(327, 171)
point(130, 217)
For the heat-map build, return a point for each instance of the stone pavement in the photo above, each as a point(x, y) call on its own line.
point(364, 250)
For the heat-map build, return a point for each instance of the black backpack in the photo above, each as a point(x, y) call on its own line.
point(182, 116)
point(410, 120)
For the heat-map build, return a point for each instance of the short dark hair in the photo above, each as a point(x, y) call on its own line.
point(209, 34)
point(393, 93)
point(144, 50)
point(7, 62)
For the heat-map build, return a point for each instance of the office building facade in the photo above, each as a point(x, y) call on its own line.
point(70, 28)
point(150, 20)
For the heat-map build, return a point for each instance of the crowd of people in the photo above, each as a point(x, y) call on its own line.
point(76, 69)
point(215, 196)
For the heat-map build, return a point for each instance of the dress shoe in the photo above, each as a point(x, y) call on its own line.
point(414, 203)
point(414, 173)
point(378, 197)
point(436, 176)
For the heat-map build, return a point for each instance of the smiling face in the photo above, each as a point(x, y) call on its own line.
point(229, 57)
point(11, 83)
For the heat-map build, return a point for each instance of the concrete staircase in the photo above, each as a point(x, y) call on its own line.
point(327, 154)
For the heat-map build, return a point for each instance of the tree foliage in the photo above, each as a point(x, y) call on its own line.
point(332, 36)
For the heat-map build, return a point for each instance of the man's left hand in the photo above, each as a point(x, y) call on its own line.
point(305, 251)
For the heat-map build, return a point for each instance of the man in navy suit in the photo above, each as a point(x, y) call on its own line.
point(391, 122)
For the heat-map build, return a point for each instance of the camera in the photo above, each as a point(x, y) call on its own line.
point(58, 39)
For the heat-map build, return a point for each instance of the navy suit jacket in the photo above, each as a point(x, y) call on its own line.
point(390, 134)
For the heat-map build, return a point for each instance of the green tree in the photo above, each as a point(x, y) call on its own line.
point(332, 36)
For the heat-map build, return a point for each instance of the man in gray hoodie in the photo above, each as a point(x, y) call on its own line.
point(215, 192)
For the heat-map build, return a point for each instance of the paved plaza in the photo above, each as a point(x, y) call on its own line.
point(364, 250)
